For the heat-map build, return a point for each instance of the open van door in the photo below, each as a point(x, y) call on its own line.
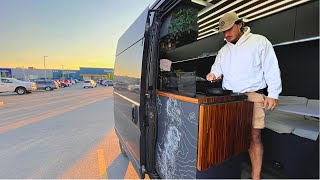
point(129, 91)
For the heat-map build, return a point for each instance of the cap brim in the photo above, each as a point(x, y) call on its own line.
point(226, 27)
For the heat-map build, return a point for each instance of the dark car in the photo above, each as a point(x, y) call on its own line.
point(47, 85)
point(63, 85)
point(107, 83)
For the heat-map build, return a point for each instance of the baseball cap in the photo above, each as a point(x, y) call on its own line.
point(227, 21)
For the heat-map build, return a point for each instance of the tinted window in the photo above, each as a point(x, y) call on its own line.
point(86, 81)
point(5, 80)
point(127, 75)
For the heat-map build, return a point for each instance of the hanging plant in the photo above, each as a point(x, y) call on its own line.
point(183, 22)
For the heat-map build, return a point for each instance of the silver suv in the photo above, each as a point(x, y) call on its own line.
point(15, 85)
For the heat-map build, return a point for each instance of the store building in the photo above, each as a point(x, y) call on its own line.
point(85, 73)
point(96, 73)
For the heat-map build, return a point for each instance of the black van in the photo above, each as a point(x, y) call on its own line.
point(157, 113)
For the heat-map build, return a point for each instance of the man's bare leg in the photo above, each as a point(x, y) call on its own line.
point(256, 153)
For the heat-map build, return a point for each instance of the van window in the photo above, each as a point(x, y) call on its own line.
point(127, 75)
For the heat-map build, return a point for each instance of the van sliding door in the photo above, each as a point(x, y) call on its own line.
point(128, 87)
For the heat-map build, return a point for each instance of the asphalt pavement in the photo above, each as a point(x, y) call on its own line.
point(65, 133)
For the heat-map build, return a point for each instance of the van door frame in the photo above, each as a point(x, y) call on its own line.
point(150, 73)
point(150, 111)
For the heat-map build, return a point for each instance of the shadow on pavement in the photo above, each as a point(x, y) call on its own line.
point(118, 168)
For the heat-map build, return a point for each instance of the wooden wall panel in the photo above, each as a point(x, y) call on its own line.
point(224, 131)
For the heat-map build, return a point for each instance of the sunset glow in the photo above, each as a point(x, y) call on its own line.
point(72, 34)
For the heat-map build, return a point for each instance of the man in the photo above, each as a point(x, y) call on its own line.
point(248, 64)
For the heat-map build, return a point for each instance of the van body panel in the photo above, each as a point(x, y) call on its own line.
point(134, 33)
point(127, 88)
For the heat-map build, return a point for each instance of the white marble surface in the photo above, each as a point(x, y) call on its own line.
point(310, 109)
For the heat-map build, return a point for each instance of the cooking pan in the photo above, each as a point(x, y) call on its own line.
point(218, 91)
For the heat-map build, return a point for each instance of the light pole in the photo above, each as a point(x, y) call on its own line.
point(62, 72)
point(45, 69)
point(68, 72)
point(24, 73)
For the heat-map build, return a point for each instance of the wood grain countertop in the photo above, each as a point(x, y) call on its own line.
point(203, 99)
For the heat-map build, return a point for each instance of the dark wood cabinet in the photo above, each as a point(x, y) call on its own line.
point(224, 131)
point(196, 135)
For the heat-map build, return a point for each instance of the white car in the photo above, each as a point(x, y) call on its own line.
point(89, 84)
point(17, 86)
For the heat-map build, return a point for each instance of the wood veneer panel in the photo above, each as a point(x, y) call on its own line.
point(224, 131)
point(202, 99)
point(179, 97)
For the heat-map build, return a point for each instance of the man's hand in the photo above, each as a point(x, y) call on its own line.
point(270, 103)
point(211, 77)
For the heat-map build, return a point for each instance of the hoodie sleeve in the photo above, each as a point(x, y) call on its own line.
point(271, 70)
point(216, 67)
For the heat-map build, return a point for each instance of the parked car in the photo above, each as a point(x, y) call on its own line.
point(134, 88)
point(89, 84)
point(58, 82)
point(63, 85)
point(107, 83)
point(47, 85)
point(14, 85)
point(68, 82)
point(99, 81)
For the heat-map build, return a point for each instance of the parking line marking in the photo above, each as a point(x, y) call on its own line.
point(102, 163)
point(86, 167)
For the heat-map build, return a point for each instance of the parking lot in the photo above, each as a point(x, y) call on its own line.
point(64, 133)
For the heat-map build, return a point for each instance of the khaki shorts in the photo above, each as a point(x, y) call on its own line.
point(258, 111)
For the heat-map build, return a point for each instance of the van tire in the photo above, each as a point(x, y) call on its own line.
point(21, 90)
point(123, 152)
point(48, 88)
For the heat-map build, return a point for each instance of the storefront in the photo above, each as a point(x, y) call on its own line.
point(96, 73)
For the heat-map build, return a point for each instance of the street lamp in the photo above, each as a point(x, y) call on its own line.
point(62, 72)
point(68, 72)
point(45, 69)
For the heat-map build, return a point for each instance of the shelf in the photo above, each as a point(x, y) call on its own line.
point(196, 58)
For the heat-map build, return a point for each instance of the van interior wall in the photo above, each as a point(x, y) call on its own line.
point(201, 66)
point(198, 48)
point(198, 52)
point(298, 62)
point(299, 65)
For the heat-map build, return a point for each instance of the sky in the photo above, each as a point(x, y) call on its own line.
point(70, 33)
